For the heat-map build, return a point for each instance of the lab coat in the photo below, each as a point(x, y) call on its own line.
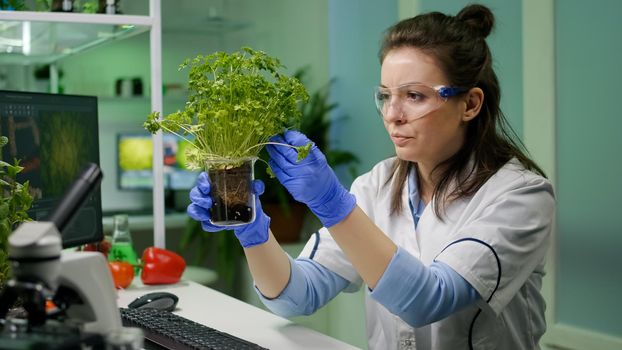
point(496, 240)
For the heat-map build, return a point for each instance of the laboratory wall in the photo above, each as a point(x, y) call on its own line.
point(588, 124)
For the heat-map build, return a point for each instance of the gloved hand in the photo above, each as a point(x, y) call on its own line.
point(310, 181)
point(249, 235)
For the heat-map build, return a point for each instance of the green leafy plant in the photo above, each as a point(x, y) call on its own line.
point(14, 5)
point(237, 102)
point(14, 202)
point(43, 5)
point(87, 6)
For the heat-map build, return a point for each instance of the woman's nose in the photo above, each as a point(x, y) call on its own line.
point(393, 113)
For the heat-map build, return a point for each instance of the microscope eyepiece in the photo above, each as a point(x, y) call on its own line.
point(90, 177)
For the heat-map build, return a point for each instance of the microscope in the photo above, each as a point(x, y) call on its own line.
point(79, 284)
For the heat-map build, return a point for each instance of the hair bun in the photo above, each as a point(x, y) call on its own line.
point(477, 17)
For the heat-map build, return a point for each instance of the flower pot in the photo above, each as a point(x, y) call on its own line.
point(231, 191)
point(286, 224)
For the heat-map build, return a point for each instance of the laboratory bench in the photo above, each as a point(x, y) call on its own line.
point(219, 311)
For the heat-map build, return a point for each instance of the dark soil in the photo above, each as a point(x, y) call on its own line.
point(231, 192)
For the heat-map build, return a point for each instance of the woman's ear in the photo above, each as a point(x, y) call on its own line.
point(474, 101)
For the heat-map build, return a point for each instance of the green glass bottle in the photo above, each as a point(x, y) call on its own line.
point(122, 248)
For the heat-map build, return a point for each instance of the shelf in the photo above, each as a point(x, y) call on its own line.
point(43, 40)
point(58, 28)
point(145, 222)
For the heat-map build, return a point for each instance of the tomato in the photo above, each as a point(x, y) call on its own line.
point(50, 306)
point(122, 273)
point(102, 247)
point(90, 247)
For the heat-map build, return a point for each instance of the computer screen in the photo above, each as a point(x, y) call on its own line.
point(54, 136)
point(135, 157)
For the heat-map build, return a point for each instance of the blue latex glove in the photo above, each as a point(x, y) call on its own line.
point(310, 181)
point(249, 235)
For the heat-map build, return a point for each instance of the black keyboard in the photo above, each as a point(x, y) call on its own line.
point(170, 331)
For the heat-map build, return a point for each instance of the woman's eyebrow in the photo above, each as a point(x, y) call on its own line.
point(402, 85)
point(411, 83)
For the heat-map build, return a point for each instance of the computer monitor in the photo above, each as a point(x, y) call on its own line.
point(54, 136)
point(135, 158)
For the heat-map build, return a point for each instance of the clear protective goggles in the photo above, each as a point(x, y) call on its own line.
point(414, 100)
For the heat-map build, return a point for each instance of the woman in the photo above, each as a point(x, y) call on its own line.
point(449, 236)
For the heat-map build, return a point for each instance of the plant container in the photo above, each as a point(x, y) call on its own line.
point(231, 182)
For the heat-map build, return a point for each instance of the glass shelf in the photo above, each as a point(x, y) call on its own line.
point(36, 42)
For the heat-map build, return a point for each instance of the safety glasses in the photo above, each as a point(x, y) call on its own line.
point(412, 101)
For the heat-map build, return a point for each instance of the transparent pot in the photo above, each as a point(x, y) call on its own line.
point(231, 182)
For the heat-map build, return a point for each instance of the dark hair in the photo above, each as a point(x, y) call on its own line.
point(458, 43)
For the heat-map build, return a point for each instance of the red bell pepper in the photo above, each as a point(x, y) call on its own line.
point(161, 266)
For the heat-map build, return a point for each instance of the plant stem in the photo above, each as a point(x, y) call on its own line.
point(180, 136)
point(271, 143)
point(266, 163)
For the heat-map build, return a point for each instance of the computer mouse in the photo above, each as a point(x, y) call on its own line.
point(156, 300)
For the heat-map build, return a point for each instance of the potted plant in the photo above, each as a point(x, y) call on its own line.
point(14, 202)
point(236, 103)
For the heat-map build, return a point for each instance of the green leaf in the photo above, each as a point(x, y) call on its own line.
point(13, 170)
point(270, 172)
point(4, 210)
point(15, 200)
point(303, 151)
point(152, 124)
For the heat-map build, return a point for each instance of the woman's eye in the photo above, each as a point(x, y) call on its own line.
point(383, 96)
point(414, 96)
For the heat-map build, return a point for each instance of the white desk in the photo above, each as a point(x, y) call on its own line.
point(224, 313)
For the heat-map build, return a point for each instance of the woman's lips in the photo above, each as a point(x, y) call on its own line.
point(400, 140)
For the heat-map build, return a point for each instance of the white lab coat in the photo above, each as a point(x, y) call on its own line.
point(509, 218)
